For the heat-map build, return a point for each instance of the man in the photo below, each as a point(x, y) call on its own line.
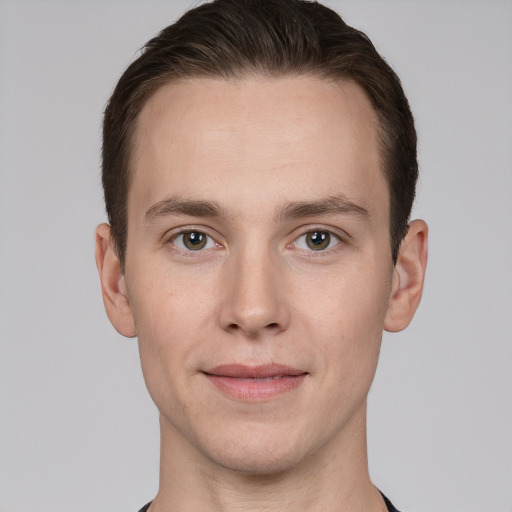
point(259, 167)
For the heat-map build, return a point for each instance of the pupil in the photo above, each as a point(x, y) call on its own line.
point(195, 238)
point(318, 240)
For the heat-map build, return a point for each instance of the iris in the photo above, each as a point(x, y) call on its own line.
point(194, 240)
point(318, 240)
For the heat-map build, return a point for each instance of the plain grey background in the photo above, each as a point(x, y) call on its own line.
point(78, 431)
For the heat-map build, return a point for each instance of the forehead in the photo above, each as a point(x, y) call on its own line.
point(301, 136)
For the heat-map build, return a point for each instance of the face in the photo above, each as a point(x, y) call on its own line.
point(258, 265)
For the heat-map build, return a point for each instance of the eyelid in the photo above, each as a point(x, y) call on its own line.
point(170, 236)
point(342, 237)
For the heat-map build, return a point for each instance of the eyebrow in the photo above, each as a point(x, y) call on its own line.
point(177, 206)
point(333, 205)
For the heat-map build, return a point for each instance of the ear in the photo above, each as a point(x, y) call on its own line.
point(113, 286)
point(408, 277)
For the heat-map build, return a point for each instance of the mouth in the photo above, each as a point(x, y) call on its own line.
point(255, 383)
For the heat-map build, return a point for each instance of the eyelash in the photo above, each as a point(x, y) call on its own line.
point(211, 243)
point(333, 241)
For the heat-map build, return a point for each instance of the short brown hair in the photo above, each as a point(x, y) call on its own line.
point(275, 38)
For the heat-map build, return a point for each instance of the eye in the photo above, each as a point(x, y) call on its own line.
point(193, 241)
point(317, 240)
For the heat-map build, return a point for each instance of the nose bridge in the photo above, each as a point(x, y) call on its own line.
point(253, 302)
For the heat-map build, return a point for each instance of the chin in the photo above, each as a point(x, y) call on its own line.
point(258, 464)
point(261, 454)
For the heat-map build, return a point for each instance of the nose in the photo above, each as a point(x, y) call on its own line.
point(254, 297)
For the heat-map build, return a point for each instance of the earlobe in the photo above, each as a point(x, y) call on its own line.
point(408, 277)
point(113, 286)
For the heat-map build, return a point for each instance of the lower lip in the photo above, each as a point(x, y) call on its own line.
point(256, 389)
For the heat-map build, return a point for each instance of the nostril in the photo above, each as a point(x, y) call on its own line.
point(234, 327)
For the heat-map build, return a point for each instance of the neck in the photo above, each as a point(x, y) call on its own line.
point(335, 478)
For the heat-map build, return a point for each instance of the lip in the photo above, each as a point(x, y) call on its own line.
point(255, 383)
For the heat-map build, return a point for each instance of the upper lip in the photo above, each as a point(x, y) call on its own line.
point(242, 371)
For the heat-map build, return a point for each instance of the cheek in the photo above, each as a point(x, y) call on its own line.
point(171, 321)
point(168, 304)
point(347, 323)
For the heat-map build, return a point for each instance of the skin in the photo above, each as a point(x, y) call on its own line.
point(257, 293)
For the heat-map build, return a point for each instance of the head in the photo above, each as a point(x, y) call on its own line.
point(236, 39)
point(259, 170)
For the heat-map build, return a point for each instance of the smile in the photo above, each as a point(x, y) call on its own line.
point(255, 383)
